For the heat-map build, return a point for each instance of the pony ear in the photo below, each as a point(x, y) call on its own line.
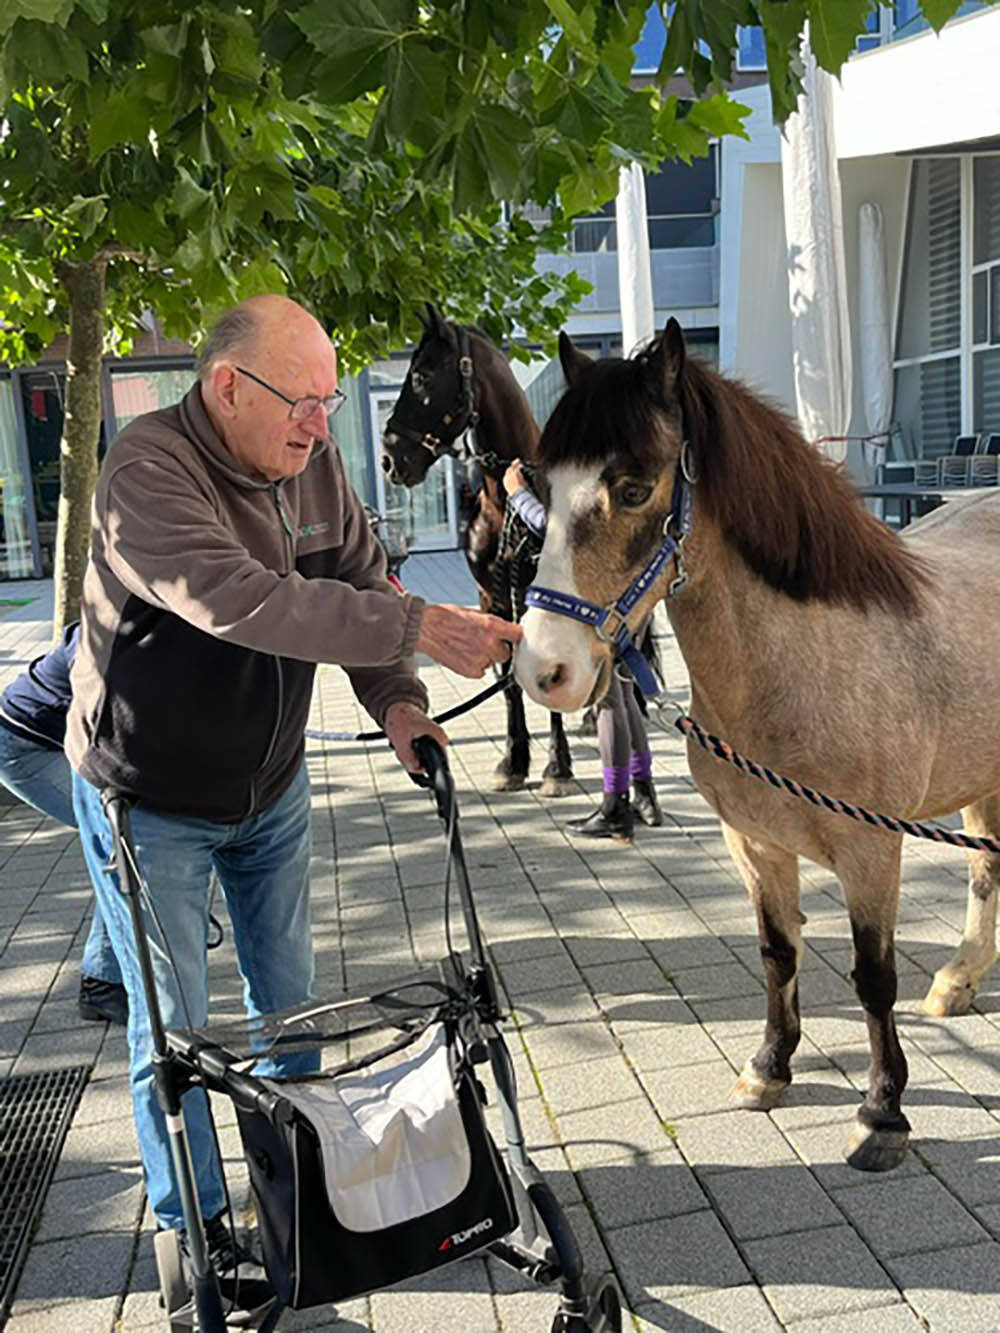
point(432, 321)
point(436, 324)
point(669, 355)
point(572, 360)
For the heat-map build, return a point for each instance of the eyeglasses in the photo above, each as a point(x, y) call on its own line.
point(300, 409)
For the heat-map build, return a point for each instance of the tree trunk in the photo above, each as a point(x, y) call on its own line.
point(81, 433)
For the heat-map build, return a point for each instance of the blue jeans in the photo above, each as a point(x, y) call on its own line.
point(263, 867)
point(43, 779)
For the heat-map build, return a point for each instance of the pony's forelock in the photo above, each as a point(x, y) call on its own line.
point(792, 515)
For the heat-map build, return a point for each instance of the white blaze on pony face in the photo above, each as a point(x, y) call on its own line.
point(558, 660)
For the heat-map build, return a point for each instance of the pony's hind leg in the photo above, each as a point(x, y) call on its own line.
point(772, 879)
point(512, 771)
point(871, 888)
point(955, 985)
point(557, 779)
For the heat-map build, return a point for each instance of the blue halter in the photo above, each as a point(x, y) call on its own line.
point(611, 621)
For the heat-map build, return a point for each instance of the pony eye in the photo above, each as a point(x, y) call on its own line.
point(634, 494)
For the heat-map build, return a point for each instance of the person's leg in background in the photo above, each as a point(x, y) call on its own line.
point(43, 779)
point(264, 873)
point(640, 765)
point(613, 818)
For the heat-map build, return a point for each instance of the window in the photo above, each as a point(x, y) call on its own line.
point(680, 210)
point(750, 50)
point(986, 293)
point(947, 382)
point(16, 560)
point(928, 338)
point(134, 392)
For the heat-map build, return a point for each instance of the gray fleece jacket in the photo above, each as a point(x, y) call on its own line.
point(208, 599)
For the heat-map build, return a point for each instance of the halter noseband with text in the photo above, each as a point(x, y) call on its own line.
point(459, 418)
point(611, 621)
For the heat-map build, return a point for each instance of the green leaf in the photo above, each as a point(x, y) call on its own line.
point(45, 11)
point(833, 29)
point(188, 195)
point(97, 10)
point(938, 12)
point(356, 37)
point(415, 92)
point(578, 27)
point(86, 213)
point(121, 119)
point(169, 40)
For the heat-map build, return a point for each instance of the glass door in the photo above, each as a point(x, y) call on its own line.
point(430, 509)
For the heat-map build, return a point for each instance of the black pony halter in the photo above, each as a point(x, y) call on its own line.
point(611, 621)
point(456, 421)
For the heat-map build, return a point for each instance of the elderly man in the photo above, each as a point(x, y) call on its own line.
point(229, 556)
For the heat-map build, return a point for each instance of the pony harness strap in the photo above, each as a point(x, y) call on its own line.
point(611, 621)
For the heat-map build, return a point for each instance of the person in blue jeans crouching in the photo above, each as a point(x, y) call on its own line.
point(33, 765)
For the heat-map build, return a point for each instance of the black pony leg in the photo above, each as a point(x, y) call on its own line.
point(882, 1132)
point(557, 780)
point(512, 771)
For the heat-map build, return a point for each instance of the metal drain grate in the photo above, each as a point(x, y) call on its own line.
point(35, 1113)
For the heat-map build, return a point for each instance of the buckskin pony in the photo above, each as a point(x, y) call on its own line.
point(818, 642)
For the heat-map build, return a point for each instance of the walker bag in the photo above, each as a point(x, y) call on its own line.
point(365, 1178)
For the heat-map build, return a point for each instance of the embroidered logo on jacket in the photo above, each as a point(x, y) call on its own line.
point(313, 529)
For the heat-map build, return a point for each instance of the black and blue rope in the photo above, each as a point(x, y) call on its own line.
point(725, 753)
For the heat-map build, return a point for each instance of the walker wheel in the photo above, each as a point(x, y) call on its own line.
point(174, 1291)
point(603, 1316)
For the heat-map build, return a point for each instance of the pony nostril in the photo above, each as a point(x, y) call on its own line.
point(552, 679)
point(386, 464)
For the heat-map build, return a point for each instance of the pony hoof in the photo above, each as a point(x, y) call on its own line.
point(553, 786)
point(948, 999)
point(876, 1149)
point(753, 1093)
point(504, 781)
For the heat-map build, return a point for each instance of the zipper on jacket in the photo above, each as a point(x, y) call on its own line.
point(275, 489)
point(289, 531)
point(272, 743)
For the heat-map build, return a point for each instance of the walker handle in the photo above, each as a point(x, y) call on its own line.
point(436, 774)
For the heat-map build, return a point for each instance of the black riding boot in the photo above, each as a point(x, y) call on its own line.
point(613, 819)
point(645, 804)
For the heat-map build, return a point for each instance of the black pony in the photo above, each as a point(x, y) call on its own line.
point(459, 382)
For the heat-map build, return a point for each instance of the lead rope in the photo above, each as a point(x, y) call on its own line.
point(721, 750)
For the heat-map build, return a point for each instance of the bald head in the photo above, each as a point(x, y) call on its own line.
point(253, 326)
point(261, 357)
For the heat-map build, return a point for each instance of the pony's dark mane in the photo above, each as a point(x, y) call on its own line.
point(791, 514)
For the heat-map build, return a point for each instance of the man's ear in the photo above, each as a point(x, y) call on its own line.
point(222, 379)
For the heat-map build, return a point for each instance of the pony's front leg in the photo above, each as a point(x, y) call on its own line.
point(955, 985)
point(772, 879)
point(512, 771)
point(871, 888)
point(557, 779)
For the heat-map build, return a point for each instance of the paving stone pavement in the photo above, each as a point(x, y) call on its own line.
point(636, 994)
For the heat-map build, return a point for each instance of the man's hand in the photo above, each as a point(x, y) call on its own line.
point(466, 641)
point(404, 722)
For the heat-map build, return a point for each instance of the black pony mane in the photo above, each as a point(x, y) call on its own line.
point(791, 514)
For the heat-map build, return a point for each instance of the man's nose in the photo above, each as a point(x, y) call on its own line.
point(320, 420)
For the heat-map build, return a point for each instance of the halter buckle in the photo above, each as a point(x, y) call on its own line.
point(612, 624)
point(431, 443)
point(465, 366)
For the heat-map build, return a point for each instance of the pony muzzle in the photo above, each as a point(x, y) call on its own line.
point(559, 665)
